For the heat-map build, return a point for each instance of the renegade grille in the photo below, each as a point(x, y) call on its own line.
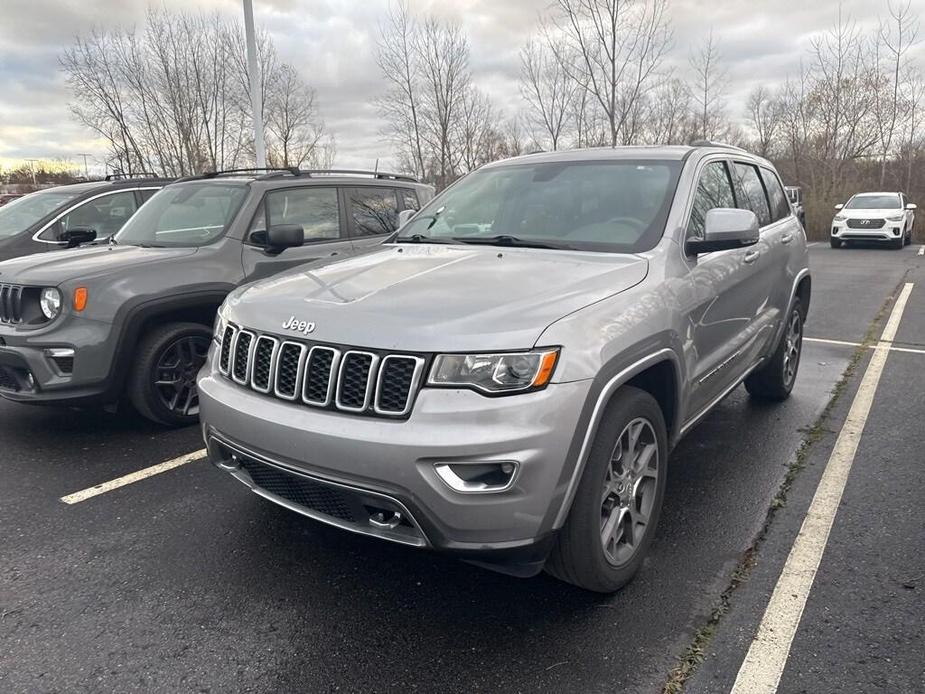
point(349, 380)
point(10, 303)
point(866, 223)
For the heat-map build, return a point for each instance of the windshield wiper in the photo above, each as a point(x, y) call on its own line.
point(419, 238)
point(508, 240)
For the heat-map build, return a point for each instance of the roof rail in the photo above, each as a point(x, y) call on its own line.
point(294, 170)
point(140, 174)
point(724, 145)
point(360, 172)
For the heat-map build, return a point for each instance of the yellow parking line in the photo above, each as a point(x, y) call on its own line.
point(104, 487)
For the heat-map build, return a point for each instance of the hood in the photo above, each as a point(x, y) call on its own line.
point(436, 298)
point(54, 267)
point(871, 214)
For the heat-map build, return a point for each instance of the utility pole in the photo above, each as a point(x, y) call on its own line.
point(86, 170)
point(253, 76)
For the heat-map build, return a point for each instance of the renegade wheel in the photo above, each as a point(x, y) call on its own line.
point(618, 502)
point(776, 379)
point(162, 385)
point(835, 243)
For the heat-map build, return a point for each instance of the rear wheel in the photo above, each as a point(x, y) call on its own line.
point(618, 502)
point(775, 380)
point(162, 385)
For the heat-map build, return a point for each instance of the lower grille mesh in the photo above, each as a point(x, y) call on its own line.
point(327, 500)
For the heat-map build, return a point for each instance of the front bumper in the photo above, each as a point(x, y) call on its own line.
point(890, 231)
point(370, 459)
point(67, 362)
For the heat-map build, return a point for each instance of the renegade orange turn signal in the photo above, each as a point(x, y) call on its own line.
point(80, 298)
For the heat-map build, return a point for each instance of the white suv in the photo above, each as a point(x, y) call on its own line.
point(888, 217)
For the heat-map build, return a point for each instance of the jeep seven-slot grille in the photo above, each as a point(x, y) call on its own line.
point(10, 303)
point(349, 380)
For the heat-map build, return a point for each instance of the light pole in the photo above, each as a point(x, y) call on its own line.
point(253, 76)
point(86, 169)
point(32, 168)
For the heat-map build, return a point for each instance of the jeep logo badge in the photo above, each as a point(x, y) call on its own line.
point(299, 326)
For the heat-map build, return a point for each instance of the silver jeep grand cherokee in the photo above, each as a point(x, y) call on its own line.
point(504, 378)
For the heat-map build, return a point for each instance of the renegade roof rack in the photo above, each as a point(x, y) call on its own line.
point(709, 143)
point(294, 170)
point(140, 174)
point(360, 172)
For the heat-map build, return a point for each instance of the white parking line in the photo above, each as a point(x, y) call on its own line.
point(921, 250)
point(910, 350)
point(764, 663)
point(85, 494)
point(812, 243)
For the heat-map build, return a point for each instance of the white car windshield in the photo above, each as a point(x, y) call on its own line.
point(873, 202)
point(613, 206)
point(186, 214)
point(20, 214)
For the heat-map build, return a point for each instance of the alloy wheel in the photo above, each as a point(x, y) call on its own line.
point(629, 491)
point(176, 371)
point(793, 343)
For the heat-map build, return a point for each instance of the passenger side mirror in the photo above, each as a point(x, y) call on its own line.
point(283, 236)
point(76, 237)
point(725, 229)
point(839, 206)
point(404, 216)
point(911, 206)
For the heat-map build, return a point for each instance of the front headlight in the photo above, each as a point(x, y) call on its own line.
point(508, 372)
point(839, 218)
point(218, 330)
point(896, 218)
point(50, 301)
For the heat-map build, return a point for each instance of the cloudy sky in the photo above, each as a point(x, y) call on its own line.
point(332, 43)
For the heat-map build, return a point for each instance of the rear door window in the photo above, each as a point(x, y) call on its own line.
point(751, 192)
point(713, 190)
point(780, 208)
point(373, 210)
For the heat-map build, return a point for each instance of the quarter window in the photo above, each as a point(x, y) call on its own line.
point(780, 208)
point(314, 209)
point(373, 210)
point(713, 190)
point(752, 192)
point(410, 199)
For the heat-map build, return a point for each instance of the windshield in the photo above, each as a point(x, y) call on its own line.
point(22, 213)
point(873, 202)
point(189, 214)
point(614, 206)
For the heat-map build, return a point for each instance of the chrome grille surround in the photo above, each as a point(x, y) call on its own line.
point(344, 379)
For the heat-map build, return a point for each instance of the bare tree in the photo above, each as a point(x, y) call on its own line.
point(293, 124)
point(613, 50)
point(669, 117)
point(709, 87)
point(547, 89)
point(895, 39)
point(765, 115)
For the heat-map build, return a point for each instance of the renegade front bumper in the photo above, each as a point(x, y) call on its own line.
point(380, 476)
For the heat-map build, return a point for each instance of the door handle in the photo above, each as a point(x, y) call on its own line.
point(786, 238)
point(752, 256)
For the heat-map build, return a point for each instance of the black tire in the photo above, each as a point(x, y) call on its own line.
point(158, 348)
point(898, 244)
point(835, 243)
point(578, 556)
point(907, 237)
point(775, 380)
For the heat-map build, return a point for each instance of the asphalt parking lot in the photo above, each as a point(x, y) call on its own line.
point(184, 581)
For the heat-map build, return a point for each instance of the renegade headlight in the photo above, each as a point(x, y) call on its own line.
point(50, 301)
point(507, 372)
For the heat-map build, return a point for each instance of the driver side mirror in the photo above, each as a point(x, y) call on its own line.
point(911, 206)
point(725, 228)
point(283, 236)
point(839, 206)
point(404, 216)
point(78, 236)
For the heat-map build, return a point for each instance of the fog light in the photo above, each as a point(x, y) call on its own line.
point(895, 231)
point(478, 477)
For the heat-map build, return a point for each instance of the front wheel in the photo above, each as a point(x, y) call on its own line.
point(162, 384)
point(907, 237)
point(775, 380)
point(835, 243)
point(619, 499)
point(898, 244)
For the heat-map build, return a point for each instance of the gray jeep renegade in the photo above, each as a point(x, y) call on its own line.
point(133, 316)
point(505, 377)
